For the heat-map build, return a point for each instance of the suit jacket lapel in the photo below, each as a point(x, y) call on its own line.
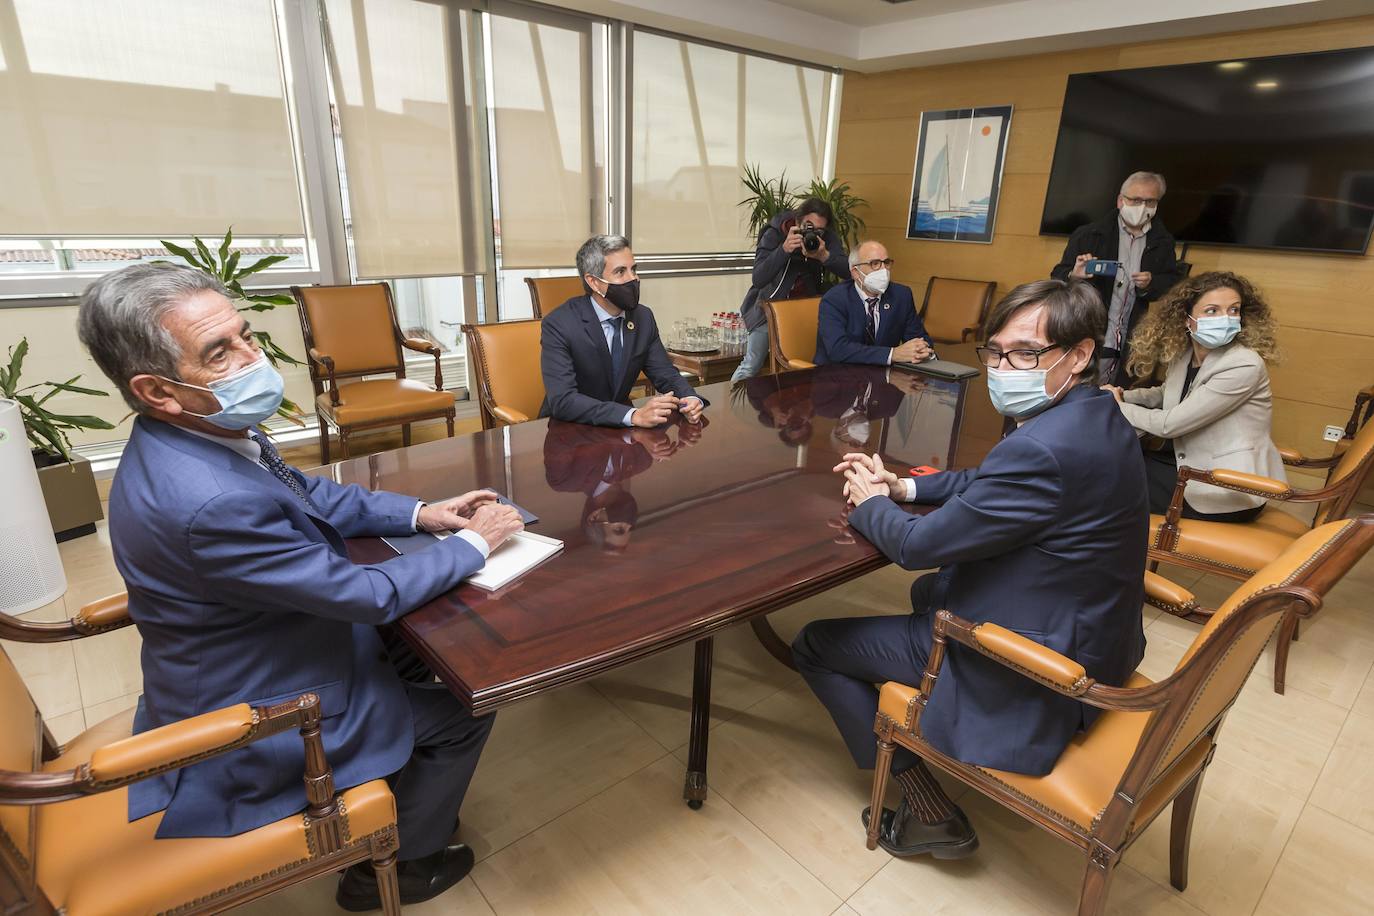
point(631, 332)
point(1173, 382)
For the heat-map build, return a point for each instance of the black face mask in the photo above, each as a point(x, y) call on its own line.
point(624, 296)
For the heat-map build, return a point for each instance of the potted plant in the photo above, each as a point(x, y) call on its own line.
point(68, 484)
point(769, 197)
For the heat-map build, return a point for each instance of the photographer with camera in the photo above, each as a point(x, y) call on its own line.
point(794, 250)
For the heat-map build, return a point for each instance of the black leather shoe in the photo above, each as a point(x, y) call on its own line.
point(903, 835)
point(420, 879)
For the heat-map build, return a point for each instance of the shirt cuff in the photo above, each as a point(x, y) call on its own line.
point(908, 494)
point(415, 517)
point(476, 540)
point(629, 418)
point(890, 351)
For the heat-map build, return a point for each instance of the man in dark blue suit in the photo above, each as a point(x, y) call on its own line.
point(593, 347)
point(1047, 537)
point(243, 592)
point(871, 320)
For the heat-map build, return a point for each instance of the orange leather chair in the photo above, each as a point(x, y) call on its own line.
point(505, 361)
point(66, 843)
point(953, 310)
point(792, 326)
point(548, 293)
point(351, 332)
point(1151, 746)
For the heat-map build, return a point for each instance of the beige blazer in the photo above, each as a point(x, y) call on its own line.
point(1224, 422)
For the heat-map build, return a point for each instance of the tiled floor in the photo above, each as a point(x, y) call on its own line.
point(576, 805)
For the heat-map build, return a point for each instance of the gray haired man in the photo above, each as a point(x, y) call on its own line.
point(1134, 238)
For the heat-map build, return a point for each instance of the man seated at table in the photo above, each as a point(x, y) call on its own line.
point(1047, 537)
point(593, 347)
point(870, 319)
point(243, 592)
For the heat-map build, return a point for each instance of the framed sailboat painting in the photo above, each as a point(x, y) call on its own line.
point(958, 174)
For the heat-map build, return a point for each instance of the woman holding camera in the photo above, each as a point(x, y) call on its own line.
point(1212, 335)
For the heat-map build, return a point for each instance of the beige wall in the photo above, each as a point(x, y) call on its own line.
point(1322, 301)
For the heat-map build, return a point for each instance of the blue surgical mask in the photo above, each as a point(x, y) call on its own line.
point(246, 397)
point(1020, 393)
point(1216, 330)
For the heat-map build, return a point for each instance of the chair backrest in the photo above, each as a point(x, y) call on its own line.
point(505, 361)
point(21, 728)
point(548, 293)
point(1349, 474)
point(353, 325)
point(953, 310)
point(792, 326)
point(1219, 661)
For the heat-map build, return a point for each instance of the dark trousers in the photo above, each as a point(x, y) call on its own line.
point(843, 659)
point(429, 789)
point(1161, 475)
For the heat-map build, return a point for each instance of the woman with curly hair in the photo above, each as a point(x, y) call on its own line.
point(1212, 335)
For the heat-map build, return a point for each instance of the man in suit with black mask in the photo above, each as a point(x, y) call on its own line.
point(593, 348)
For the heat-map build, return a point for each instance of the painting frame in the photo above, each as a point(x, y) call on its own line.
point(956, 211)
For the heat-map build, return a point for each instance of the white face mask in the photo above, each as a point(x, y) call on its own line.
point(877, 281)
point(1137, 216)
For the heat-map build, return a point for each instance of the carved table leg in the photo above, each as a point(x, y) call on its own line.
point(770, 640)
point(694, 789)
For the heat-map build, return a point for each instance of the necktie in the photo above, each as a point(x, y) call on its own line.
point(271, 458)
point(617, 353)
point(871, 326)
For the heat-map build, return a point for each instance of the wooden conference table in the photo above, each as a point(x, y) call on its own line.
point(671, 535)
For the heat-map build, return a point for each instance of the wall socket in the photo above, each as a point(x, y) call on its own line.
point(1333, 433)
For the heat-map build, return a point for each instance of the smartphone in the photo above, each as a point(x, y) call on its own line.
point(1100, 268)
point(923, 470)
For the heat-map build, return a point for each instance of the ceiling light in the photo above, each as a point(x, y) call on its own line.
point(1267, 84)
point(1232, 65)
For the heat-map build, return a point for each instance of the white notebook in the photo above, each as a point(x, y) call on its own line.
point(522, 552)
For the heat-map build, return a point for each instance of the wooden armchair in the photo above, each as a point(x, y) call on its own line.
point(505, 361)
point(953, 310)
point(548, 293)
point(1152, 744)
point(1359, 416)
point(66, 843)
point(351, 332)
point(792, 328)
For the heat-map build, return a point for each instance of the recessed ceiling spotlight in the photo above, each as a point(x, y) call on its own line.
point(1267, 84)
point(1232, 65)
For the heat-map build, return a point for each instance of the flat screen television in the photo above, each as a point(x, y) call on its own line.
point(1261, 152)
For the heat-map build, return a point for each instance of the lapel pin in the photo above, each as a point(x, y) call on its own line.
point(886, 306)
point(629, 325)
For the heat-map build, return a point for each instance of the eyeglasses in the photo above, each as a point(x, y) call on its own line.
point(991, 357)
point(1147, 201)
point(878, 262)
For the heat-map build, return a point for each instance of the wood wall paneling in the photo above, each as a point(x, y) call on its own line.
point(1322, 301)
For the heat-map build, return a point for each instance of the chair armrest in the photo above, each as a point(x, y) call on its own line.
point(1255, 483)
point(508, 414)
point(1296, 459)
point(1239, 481)
point(327, 362)
point(1037, 660)
point(419, 345)
point(1169, 596)
point(172, 747)
point(800, 364)
point(99, 616)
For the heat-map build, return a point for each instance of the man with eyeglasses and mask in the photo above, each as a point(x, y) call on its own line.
point(1136, 240)
point(1047, 537)
point(870, 320)
point(794, 251)
point(593, 348)
point(241, 587)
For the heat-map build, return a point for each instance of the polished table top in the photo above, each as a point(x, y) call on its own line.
point(670, 534)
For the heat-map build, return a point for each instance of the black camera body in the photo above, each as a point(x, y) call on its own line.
point(811, 238)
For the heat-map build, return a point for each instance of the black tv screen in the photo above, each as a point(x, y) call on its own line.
point(1263, 152)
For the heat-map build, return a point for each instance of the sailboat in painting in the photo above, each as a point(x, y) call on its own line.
point(944, 200)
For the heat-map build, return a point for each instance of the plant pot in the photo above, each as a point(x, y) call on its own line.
point(71, 495)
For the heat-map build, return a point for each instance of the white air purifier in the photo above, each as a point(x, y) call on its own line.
point(31, 572)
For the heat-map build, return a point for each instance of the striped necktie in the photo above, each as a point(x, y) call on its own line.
point(871, 326)
point(271, 459)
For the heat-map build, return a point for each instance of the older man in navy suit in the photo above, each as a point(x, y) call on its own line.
point(243, 592)
point(1047, 537)
point(870, 319)
point(593, 347)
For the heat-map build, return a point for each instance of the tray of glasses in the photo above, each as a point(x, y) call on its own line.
point(692, 346)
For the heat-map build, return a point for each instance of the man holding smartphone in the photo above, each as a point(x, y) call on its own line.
point(1147, 268)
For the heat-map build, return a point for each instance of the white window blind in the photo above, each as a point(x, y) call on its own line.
point(144, 118)
point(406, 121)
point(701, 114)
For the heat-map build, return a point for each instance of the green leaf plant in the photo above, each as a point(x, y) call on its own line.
point(222, 264)
point(47, 431)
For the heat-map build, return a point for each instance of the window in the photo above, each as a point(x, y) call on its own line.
point(700, 115)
